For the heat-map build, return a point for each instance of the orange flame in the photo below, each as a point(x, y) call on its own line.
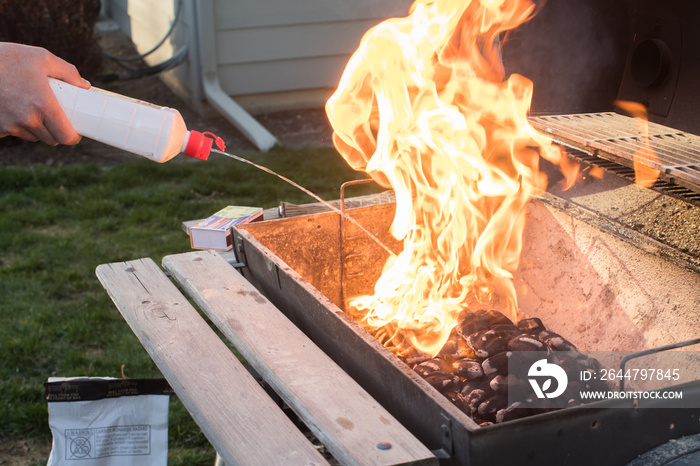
point(424, 108)
point(644, 175)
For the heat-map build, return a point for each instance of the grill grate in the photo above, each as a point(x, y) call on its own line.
point(617, 138)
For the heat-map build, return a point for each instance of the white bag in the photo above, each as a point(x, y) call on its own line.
point(99, 421)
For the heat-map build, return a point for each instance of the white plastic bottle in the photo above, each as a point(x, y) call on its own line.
point(157, 133)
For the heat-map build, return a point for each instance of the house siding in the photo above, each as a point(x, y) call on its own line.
point(262, 46)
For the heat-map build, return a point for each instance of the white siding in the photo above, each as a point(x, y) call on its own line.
point(262, 46)
point(281, 45)
point(236, 14)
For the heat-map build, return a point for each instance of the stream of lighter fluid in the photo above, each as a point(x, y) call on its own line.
point(298, 186)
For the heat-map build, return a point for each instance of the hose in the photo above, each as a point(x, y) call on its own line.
point(156, 47)
point(135, 73)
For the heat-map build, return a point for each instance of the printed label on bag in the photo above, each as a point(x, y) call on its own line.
point(108, 441)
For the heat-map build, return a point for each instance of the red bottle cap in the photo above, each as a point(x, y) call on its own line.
point(198, 146)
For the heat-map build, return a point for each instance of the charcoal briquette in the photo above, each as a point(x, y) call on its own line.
point(496, 364)
point(572, 366)
point(472, 322)
point(532, 325)
point(475, 397)
point(558, 343)
point(477, 384)
point(499, 384)
point(450, 346)
point(442, 381)
point(475, 321)
point(458, 400)
point(526, 342)
point(456, 348)
point(497, 318)
point(486, 343)
point(512, 412)
point(414, 356)
point(467, 368)
point(488, 408)
point(589, 363)
point(517, 384)
point(433, 365)
point(463, 350)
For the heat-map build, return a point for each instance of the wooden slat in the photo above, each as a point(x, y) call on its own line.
point(350, 423)
point(240, 420)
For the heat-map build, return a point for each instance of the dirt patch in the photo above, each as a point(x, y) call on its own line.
point(293, 129)
point(24, 452)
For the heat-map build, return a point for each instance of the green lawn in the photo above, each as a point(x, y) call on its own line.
point(58, 224)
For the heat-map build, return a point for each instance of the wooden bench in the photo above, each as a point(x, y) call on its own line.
point(244, 425)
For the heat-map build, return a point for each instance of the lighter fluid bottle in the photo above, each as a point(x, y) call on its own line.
point(157, 133)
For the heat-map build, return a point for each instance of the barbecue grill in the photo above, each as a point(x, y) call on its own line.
point(298, 262)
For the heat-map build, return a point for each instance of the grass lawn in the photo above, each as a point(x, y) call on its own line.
point(58, 224)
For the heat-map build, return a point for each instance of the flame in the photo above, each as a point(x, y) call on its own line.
point(424, 107)
point(644, 175)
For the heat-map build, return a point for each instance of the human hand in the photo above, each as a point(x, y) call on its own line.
point(28, 107)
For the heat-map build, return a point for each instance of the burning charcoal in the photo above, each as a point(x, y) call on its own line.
point(458, 400)
point(416, 359)
point(488, 408)
point(526, 342)
point(475, 321)
point(496, 364)
point(467, 368)
point(426, 368)
point(506, 328)
point(464, 350)
point(532, 325)
point(485, 424)
point(450, 346)
point(499, 384)
point(486, 343)
point(512, 412)
point(414, 356)
point(507, 331)
point(472, 322)
point(456, 349)
point(497, 318)
point(442, 381)
point(557, 343)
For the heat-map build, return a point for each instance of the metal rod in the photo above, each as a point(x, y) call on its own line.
point(342, 236)
point(640, 354)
